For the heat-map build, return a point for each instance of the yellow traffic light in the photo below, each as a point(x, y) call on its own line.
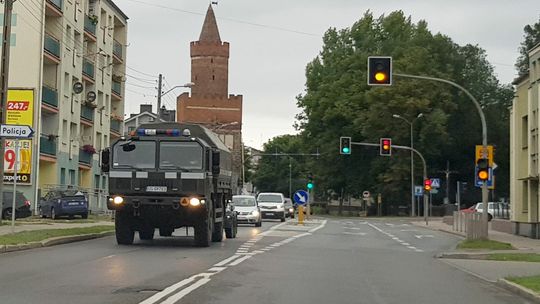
point(379, 71)
point(483, 175)
point(380, 76)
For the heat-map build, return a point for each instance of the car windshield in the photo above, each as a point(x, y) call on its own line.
point(180, 155)
point(270, 198)
point(244, 201)
point(134, 154)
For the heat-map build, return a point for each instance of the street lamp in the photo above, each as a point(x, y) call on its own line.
point(186, 85)
point(221, 126)
point(161, 94)
point(411, 123)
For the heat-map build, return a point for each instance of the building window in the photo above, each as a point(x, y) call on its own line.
point(524, 132)
point(65, 134)
point(62, 176)
point(525, 198)
point(72, 177)
point(213, 77)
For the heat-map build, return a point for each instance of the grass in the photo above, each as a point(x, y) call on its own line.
point(37, 220)
point(25, 237)
point(518, 257)
point(532, 283)
point(484, 245)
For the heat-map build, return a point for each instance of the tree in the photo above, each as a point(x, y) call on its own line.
point(531, 39)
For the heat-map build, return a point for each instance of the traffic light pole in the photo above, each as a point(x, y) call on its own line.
point(426, 197)
point(484, 138)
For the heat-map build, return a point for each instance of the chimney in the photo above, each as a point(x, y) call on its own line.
point(146, 108)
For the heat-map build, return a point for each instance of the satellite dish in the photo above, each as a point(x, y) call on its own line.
point(91, 96)
point(78, 87)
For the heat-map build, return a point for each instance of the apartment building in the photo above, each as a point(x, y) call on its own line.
point(524, 149)
point(72, 55)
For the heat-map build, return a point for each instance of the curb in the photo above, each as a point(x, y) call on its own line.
point(463, 256)
point(54, 241)
point(520, 290)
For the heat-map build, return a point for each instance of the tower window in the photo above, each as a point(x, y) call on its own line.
point(211, 60)
point(213, 77)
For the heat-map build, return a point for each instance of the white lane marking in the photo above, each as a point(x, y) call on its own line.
point(301, 235)
point(319, 227)
point(409, 230)
point(160, 295)
point(411, 247)
point(394, 238)
point(353, 228)
point(419, 250)
point(184, 292)
point(240, 260)
point(354, 233)
point(258, 251)
point(227, 260)
point(421, 236)
point(217, 269)
point(405, 244)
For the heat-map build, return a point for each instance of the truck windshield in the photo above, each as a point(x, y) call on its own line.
point(180, 155)
point(141, 155)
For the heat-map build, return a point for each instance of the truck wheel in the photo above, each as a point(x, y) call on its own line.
point(147, 233)
point(165, 231)
point(203, 233)
point(217, 234)
point(122, 225)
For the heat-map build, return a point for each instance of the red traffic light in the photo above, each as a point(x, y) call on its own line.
point(386, 146)
point(427, 185)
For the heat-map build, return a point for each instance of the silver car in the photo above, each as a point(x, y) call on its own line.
point(247, 210)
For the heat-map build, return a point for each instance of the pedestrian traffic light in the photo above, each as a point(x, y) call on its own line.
point(482, 169)
point(379, 70)
point(427, 185)
point(310, 182)
point(345, 145)
point(386, 147)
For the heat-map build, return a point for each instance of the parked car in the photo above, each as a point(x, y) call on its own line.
point(247, 209)
point(471, 209)
point(231, 221)
point(22, 205)
point(59, 203)
point(289, 207)
point(495, 210)
point(272, 205)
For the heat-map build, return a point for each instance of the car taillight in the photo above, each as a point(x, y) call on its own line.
point(27, 203)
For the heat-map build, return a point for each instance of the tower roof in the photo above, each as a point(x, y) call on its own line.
point(210, 32)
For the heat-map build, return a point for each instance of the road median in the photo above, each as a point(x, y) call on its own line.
point(520, 289)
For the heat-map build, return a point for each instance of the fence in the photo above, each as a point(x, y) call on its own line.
point(469, 223)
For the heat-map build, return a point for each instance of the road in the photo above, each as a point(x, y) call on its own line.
point(333, 261)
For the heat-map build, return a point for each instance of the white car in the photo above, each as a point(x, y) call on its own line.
point(495, 210)
point(247, 210)
point(272, 205)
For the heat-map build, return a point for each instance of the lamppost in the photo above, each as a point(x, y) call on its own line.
point(411, 124)
point(161, 94)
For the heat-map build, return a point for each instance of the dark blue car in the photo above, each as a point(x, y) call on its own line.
point(59, 203)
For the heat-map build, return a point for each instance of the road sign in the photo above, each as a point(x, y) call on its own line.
point(16, 131)
point(301, 197)
point(435, 183)
point(418, 191)
point(366, 194)
point(480, 153)
point(434, 191)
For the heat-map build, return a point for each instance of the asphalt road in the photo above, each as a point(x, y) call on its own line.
point(335, 261)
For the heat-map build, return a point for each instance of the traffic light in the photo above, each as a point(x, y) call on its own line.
point(345, 145)
point(310, 182)
point(427, 185)
point(482, 171)
point(379, 71)
point(386, 147)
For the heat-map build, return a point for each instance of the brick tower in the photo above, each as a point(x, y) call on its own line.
point(210, 103)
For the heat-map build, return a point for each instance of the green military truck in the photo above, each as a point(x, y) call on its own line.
point(168, 176)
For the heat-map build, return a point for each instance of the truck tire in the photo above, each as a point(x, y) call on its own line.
point(147, 233)
point(124, 232)
point(165, 231)
point(217, 234)
point(203, 233)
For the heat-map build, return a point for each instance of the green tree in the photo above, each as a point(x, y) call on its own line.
point(531, 38)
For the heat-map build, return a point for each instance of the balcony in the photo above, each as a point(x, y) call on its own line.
point(88, 70)
point(90, 26)
point(49, 96)
point(85, 157)
point(117, 89)
point(47, 145)
point(87, 113)
point(117, 51)
point(52, 48)
point(116, 126)
point(54, 8)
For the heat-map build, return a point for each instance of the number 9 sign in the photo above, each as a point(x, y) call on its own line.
point(24, 161)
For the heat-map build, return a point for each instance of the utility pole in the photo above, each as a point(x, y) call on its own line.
point(447, 173)
point(4, 80)
point(159, 96)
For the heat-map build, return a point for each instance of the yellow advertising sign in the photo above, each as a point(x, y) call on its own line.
point(20, 111)
point(480, 153)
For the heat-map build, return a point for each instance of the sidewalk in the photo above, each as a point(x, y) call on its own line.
point(6, 229)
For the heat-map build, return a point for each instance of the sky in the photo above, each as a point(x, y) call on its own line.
point(271, 42)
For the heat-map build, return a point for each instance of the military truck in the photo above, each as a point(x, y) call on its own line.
point(168, 176)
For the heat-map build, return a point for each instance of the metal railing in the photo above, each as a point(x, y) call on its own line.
point(47, 145)
point(49, 96)
point(56, 3)
point(84, 157)
point(87, 112)
point(52, 45)
point(88, 68)
point(115, 125)
point(116, 88)
point(89, 25)
point(117, 49)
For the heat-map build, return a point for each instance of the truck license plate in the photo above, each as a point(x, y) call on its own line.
point(156, 189)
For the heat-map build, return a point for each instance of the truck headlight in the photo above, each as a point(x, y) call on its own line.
point(117, 200)
point(194, 202)
point(255, 213)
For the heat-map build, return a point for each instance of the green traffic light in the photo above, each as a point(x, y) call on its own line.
point(310, 185)
point(346, 150)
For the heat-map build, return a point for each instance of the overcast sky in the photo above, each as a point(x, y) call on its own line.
point(272, 41)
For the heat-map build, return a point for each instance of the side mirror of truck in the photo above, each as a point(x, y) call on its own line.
point(215, 162)
point(105, 160)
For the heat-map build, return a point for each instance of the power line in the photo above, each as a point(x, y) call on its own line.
point(143, 73)
point(140, 86)
point(141, 79)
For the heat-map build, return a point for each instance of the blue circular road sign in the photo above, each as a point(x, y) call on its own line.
point(301, 197)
